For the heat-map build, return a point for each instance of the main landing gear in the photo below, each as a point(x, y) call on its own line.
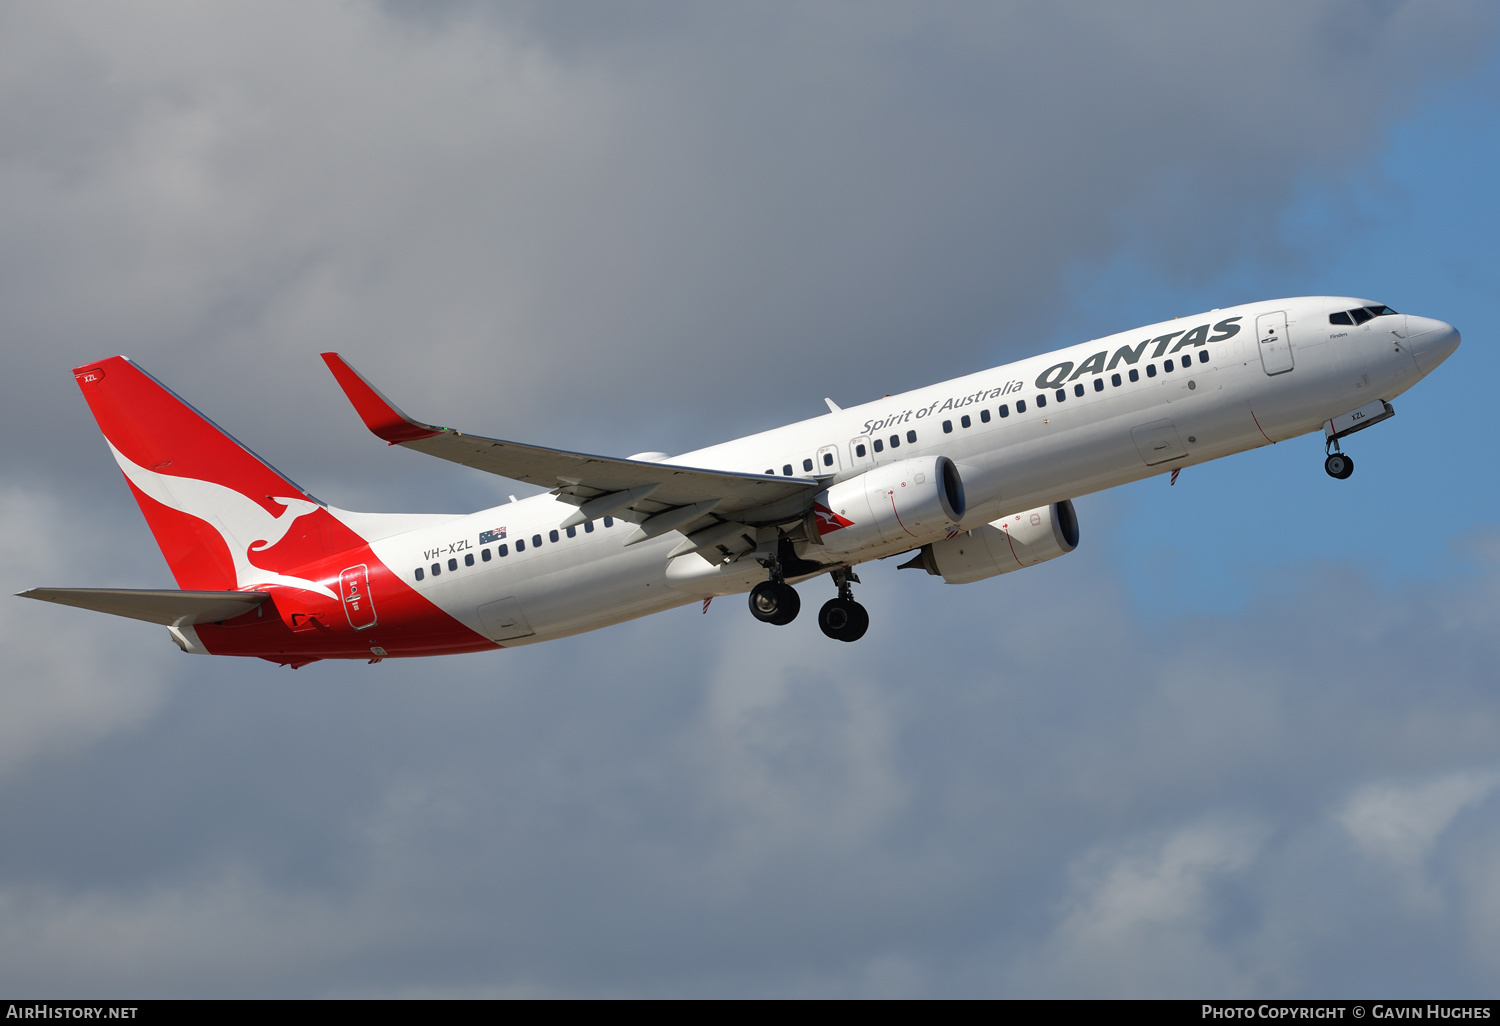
point(775, 601)
point(842, 618)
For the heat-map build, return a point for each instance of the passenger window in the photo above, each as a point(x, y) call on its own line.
point(1187, 359)
point(965, 421)
point(420, 575)
point(1041, 401)
point(859, 450)
point(1342, 317)
point(536, 541)
point(1062, 393)
point(609, 521)
point(806, 465)
point(879, 445)
point(484, 554)
point(911, 436)
point(588, 527)
point(437, 568)
point(468, 559)
point(947, 427)
point(1150, 370)
point(1114, 379)
point(1020, 407)
point(895, 441)
point(1203, 356)
point(1360, 316)
point(786, 468)
point(572, 532)
point(1135, 375)
point(1078, 390)
point(520, 545)
point(1168, 366)
point(828, 459)
point(504, 550)
point(770, 470)
point(452, 564)
point(984, 415)
point(1098, 384)
point(553, 535)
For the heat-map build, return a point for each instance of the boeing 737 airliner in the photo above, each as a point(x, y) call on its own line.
point(973, 476)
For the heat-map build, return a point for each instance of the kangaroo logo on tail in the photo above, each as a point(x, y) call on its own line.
point(244, 525)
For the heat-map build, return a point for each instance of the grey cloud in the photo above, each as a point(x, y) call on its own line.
point(656, 234)
point(972, 802)
point(717, 217)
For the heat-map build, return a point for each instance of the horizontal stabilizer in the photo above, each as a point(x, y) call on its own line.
point(173, 608)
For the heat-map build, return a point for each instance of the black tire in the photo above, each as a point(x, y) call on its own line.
point(774, 603)
point(1339, 466)
point(834, 618)
point(843, 619)
point(858, 625)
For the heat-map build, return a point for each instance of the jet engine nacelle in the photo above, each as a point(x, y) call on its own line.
point(1001, 546)
point(914, 499)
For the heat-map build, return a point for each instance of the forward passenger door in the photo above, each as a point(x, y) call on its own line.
point(1275, 346)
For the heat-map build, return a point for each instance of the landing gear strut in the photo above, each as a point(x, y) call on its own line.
point(842, 618)
point(1338, 464)
point(775, 601)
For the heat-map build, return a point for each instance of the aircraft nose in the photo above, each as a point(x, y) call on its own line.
point(1431, 341)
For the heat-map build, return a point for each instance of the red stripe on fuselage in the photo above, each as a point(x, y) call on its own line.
point(297, 624)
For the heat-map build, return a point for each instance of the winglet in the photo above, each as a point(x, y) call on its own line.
point(379, 414)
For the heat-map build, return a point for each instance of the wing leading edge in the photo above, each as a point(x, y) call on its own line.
point(674, 497)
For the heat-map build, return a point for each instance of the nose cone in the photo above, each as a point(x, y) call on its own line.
point(1431, 341)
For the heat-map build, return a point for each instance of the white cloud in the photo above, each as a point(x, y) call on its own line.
point(1401, 823)
point(1139, 921)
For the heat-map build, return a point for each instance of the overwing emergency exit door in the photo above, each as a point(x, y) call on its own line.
point(1275, 346)
point(827, 461)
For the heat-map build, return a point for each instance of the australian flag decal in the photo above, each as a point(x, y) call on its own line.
point(489, 537)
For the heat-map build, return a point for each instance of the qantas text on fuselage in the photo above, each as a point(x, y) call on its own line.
point(973, 477)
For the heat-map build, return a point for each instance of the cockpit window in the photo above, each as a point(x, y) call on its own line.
point(1360, 315)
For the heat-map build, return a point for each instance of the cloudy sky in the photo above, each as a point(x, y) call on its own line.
point(1244, 741)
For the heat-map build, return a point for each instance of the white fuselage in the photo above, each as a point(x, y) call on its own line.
point(1235, 394)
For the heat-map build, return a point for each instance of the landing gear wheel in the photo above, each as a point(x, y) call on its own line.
point(775, 602)
point(1339, 466)
point(843, 619)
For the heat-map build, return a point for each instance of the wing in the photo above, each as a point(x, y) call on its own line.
point(173, 608)
point(658, 496)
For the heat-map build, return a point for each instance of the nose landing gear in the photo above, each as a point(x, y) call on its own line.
point(1338, 465)
point(842, 618)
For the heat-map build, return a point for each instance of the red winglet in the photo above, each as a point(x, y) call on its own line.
point(379, 413)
